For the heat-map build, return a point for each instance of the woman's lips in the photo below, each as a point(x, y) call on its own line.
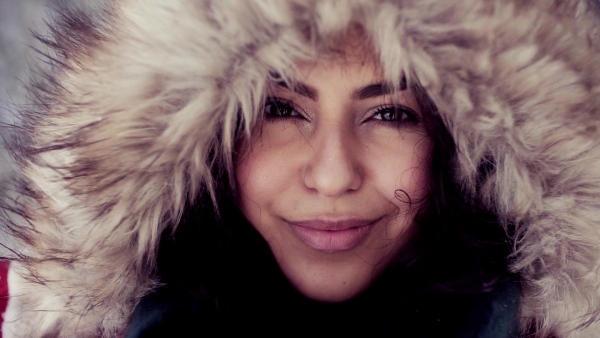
point(332, 236)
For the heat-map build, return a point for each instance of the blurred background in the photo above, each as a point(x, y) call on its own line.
point(18, 18)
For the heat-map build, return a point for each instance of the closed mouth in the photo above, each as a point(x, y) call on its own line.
point(332, 236)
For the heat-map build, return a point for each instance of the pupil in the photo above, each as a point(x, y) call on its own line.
point(280, 110)
point(275, 110)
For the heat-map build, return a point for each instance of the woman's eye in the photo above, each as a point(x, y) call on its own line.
point(275, 108)
point(395, 114)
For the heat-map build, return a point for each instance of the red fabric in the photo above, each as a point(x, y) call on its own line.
point(3, 291)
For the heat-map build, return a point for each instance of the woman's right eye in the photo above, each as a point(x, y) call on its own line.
point(279, 109)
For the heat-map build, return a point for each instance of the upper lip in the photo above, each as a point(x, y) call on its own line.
point(333, 225)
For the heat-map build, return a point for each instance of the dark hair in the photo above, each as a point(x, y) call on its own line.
point(456, 244)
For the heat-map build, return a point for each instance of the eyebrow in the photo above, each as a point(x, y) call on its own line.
point(372, 90)
point(366, 92)
point(375, 90)
point(301, 88)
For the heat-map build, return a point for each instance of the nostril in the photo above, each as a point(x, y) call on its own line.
point(332, 172)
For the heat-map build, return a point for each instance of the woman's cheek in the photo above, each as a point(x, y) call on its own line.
point(401, 168)
point(265, 170)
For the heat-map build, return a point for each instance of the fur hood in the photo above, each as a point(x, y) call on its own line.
point(144, 100)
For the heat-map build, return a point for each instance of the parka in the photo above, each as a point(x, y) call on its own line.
point(145, 98)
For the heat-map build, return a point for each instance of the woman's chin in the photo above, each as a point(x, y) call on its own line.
point(330, 282)
point(333, 293)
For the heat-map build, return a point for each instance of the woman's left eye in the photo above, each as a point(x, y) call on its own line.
point(395, 114)
point(278, 108)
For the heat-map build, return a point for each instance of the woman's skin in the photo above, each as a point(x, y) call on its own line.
point(326, 176)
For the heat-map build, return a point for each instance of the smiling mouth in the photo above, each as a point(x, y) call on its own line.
point(332, 236)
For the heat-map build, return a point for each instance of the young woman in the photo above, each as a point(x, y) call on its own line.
point(420, 169)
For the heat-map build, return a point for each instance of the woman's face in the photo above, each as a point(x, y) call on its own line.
point(326, 177)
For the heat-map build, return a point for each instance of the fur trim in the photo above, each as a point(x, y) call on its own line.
point(146, 98)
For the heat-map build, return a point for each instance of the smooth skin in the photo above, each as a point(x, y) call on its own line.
point(325, 177)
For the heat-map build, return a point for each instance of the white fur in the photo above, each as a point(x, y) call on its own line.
point(140, 109)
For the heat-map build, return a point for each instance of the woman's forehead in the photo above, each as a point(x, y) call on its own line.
point(349, 67)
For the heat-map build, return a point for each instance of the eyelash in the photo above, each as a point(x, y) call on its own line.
point(279, 105)
point(405, 115)
point(285, 109)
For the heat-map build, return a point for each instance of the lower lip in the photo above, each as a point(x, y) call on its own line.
point(331, 240)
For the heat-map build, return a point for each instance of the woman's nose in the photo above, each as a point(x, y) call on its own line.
point(333, 168)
